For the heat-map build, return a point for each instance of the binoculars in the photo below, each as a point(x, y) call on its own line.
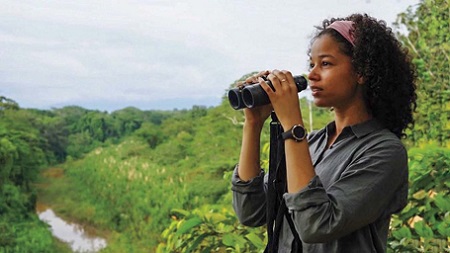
point(254, 95)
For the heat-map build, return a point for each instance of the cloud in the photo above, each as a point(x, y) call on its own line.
point(113, 54)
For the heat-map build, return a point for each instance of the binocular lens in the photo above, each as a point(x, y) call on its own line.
point(235, 99)
point(254, 95)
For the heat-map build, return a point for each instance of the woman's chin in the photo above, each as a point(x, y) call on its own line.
point(321, 103)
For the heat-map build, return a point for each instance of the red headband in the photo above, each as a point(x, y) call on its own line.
point(345, 28)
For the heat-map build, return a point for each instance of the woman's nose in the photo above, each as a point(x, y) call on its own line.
point(313, 75)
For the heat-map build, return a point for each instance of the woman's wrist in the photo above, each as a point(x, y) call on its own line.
point(253, 126)
point(291, 121)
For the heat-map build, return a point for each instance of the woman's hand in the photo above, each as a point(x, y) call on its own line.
point(284, 99)
point(257, 116)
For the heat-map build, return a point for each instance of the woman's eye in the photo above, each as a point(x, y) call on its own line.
point(311, 66)
point(325, 63)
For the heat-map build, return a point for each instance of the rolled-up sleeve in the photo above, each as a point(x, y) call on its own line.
point(312, 195)
point(370, 188)
point(249, 199)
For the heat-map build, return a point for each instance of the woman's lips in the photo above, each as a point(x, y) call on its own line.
point(315, 90)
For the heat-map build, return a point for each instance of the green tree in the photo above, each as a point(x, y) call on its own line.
point(127, 120)
point(7, 103)
point(79, 144)
point(428, 43)
point(198, 111)
point(17, 129)
point(21, 156)
point(151, 133)
point(8, 153)
point(71, 115)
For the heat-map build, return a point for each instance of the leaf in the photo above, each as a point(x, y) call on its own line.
point(414, 220)
point(255, 240)
point(420, 194)
point(444, 229)
point(196, 242)
point(442, 202)
point(233, 240)
point(401, 233)
point(208, 249)
point(228, 240)
point(186, 226)
point(222, 228)
point(423, 230)
point(216, 217)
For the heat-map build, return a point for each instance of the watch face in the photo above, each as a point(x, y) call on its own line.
point(298, 132)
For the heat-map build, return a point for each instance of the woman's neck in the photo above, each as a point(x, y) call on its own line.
point(343, 120)
point(349, 116)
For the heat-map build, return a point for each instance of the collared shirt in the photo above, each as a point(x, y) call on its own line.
point(361, 179)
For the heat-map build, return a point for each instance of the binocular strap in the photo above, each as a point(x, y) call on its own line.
point(277, 186)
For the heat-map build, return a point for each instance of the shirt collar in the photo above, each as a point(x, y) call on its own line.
point(360, 129)
point(366, 127)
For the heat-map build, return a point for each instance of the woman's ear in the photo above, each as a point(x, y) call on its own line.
point(360, 79)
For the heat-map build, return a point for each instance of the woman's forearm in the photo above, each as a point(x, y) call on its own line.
point(249, 160)
point(299, 166)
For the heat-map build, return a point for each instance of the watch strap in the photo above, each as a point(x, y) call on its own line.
point(291, 133)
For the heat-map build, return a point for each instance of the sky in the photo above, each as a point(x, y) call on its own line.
point(156, 54)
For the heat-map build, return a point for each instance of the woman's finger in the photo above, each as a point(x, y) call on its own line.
point(265, 86)
point(254, 78)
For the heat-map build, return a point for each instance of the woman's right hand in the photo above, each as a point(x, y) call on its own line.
point(256, 116)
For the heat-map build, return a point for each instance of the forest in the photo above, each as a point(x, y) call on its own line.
point(159, 181)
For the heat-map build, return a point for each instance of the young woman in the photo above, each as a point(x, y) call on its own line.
point(344, 181)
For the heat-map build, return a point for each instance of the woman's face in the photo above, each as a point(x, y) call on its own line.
point(333, 81)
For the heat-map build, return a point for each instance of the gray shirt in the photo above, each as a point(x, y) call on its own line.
point(360, 181)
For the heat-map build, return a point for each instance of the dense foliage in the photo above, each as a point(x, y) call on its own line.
point(31, 140)
point(159, 180)
point(428, 43)
point(424, 224)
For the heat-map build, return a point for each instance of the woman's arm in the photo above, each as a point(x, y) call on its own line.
point(371, 187)
point(249, 197)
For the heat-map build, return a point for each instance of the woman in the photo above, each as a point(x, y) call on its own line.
point(346, 180)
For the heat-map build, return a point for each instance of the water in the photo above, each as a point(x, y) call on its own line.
point(72, 234)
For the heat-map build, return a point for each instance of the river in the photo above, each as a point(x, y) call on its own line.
point(79, 239)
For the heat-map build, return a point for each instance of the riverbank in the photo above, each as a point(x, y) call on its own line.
point(57, 206)
point(71, 234)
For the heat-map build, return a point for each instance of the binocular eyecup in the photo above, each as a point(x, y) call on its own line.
point(254, 95)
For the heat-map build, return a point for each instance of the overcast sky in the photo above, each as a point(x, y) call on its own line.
point(156, 54)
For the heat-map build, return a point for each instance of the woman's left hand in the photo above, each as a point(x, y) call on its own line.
point(284, 99)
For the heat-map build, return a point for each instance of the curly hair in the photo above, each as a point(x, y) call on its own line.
point(386, 68)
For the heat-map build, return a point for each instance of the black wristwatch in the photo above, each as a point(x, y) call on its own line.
point(297, 132)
